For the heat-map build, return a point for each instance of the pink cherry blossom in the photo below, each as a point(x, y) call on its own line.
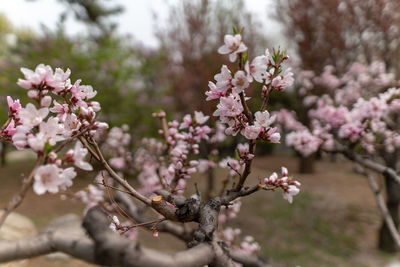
point(47, 179)
point(43, 76)
point(118, 163)
point(251, 132)
point(13, 106)
point(282, 82)
point(66, 177)
point(229, 106)
point(223, 80)
point(290, 193)
point(263, 119)
point(213, 93)
point(304, 142)
point(249, 246)
point(78, 155)
point(19, 138)
point(32, 117)
point(258, 68)
point(61, 109)
point(200, 117)
point(240, 82)
point(233, 46)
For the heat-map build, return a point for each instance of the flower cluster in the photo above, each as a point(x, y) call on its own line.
point(230, 89)
point(126, 229)
point(230, 212)
point(248, 246)
point(117, 147)
point(289, 186)
point(354, 113)
point(170, 165)
point(63, 112)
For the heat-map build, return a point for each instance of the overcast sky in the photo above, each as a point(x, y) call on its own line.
point(137, 18)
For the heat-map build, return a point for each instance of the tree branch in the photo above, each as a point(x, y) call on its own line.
point(61, 236)
point(111, 249)
point(175, 229)
point(233, 194)
point(248, 261)
point(372, 165)
point(116, 177)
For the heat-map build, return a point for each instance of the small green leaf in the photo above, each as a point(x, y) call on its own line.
point(237, 154)
point(234, 30)
point(47, 148)
point(245, 57)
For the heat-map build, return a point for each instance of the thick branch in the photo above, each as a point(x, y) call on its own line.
point(175, 229)
point(233, 194)
point(247, 260)
point(111, 249)
point(63, 238)
point(175, 199)
point(208, 221)
point(373, 165)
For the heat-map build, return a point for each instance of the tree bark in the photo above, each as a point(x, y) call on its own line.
point(3, 160)
point(306, 164)
point(386, 241)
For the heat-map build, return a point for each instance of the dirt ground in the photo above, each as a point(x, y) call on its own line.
point(333, 222)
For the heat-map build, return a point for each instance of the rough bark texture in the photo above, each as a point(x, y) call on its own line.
point(105, 247)
point(386, 241)
point(112, 250)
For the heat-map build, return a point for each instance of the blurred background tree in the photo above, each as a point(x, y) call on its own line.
point(339, 33)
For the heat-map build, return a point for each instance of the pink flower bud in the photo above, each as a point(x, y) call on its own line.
point(155, 233)
point(46, 101)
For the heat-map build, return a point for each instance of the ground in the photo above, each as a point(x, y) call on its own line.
point(333, 222)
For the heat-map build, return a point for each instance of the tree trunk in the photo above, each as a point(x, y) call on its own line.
point(386, 242)
point(306, 164)
point(3, 154)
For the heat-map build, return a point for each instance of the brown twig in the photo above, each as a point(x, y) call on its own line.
point(69, 140)
point(92, 152)
point(247, 168)
point(114, 175)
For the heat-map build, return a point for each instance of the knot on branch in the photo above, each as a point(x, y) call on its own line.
point(165, 208)
point(208, 221)
point(189, 210)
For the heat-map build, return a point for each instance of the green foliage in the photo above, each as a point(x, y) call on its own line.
point(311, 237)
point(125, 76)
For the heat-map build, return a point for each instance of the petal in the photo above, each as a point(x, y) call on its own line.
point(224, 50)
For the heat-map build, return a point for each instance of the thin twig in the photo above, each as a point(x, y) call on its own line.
point(69, 140)
point(116, 177)
point(92, 152)
point(247, 168)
